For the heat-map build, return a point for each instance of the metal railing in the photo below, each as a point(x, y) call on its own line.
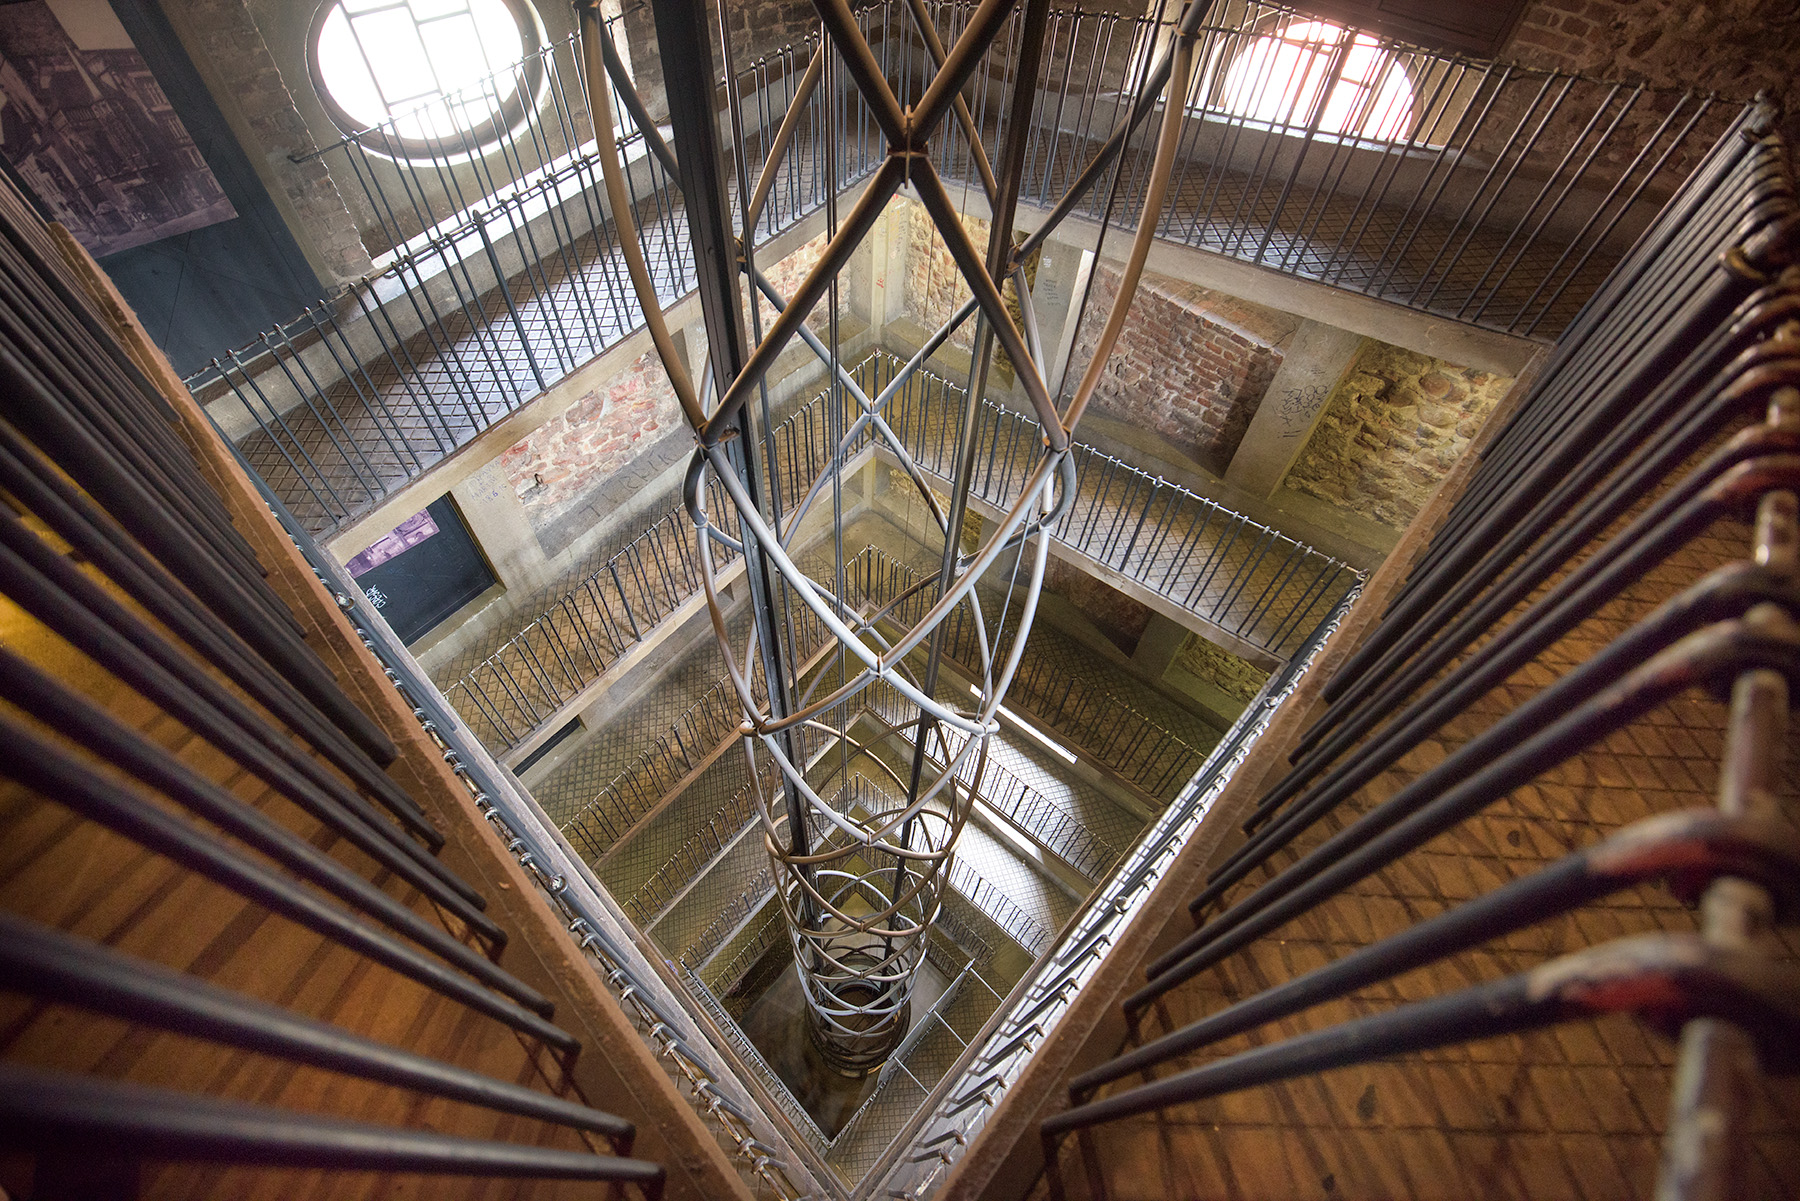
point(1510, 195)
point(1248, 579)
point(695, 735)
point(1486, 192)
point(922, 1061)
point(576, 897)
point(246, 760)
point(426, 195)
point(902, 1063)
point(1598, 482)
point(1115, 732)
point(951, 924)
point(1138, 748)
point(523, 684)
point(697, 852)
point(526, 681)
point(736, 912)
point(1043, 820)
point(966, 1097)
point(1034, 814)
point(723, 975)
point(501, 277)
point(1112, 730)
point(638, 787)
point(999, 908)
point(773, 1086)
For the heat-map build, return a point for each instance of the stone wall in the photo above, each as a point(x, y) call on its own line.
point(787, 276)
point(1235, 677)
point(554, 467)
point(758, 28)
point(1735, 48)
point(762, 27)
point(1395, 424)
point(1191, 364)
point(934, 287)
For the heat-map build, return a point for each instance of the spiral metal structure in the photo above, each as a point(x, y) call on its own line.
point(862, 867)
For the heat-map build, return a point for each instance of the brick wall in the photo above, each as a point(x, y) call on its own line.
point(1392, 428)
point(1191, 364)
point(553, 468)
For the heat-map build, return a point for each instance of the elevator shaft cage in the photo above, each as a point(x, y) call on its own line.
point(861, 880)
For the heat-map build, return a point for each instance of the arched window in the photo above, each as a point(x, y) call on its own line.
point(441, 71)
point(1280, 77)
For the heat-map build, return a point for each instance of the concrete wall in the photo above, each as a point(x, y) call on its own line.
point(1119, 617)
point(252, 89)
point(1391, 430)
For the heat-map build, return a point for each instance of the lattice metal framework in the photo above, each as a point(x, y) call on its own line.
point(859, 885)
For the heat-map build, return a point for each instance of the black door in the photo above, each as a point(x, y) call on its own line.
point(423, 570)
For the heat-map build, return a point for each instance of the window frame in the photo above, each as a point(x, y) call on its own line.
point(468, 141)
point(1215, 96)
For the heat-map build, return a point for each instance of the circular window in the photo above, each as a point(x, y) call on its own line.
point(423, 78)
point(1279, 78)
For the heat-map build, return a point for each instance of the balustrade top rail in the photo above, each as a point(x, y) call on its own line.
point(1500, 198)
point(1246, 578)
point(1078, 707)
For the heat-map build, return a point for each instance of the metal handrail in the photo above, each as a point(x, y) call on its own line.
point(735, 913)
point(697, 852)
point(1223, 567)
point(515, 285)
point(999, 789)
point(524, 684)
point(639, 786)
point(962, 1103)
point(601, 936)
point(1138, 747)
point(726, 977)
point(1732, 630)
point(1164, 535)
